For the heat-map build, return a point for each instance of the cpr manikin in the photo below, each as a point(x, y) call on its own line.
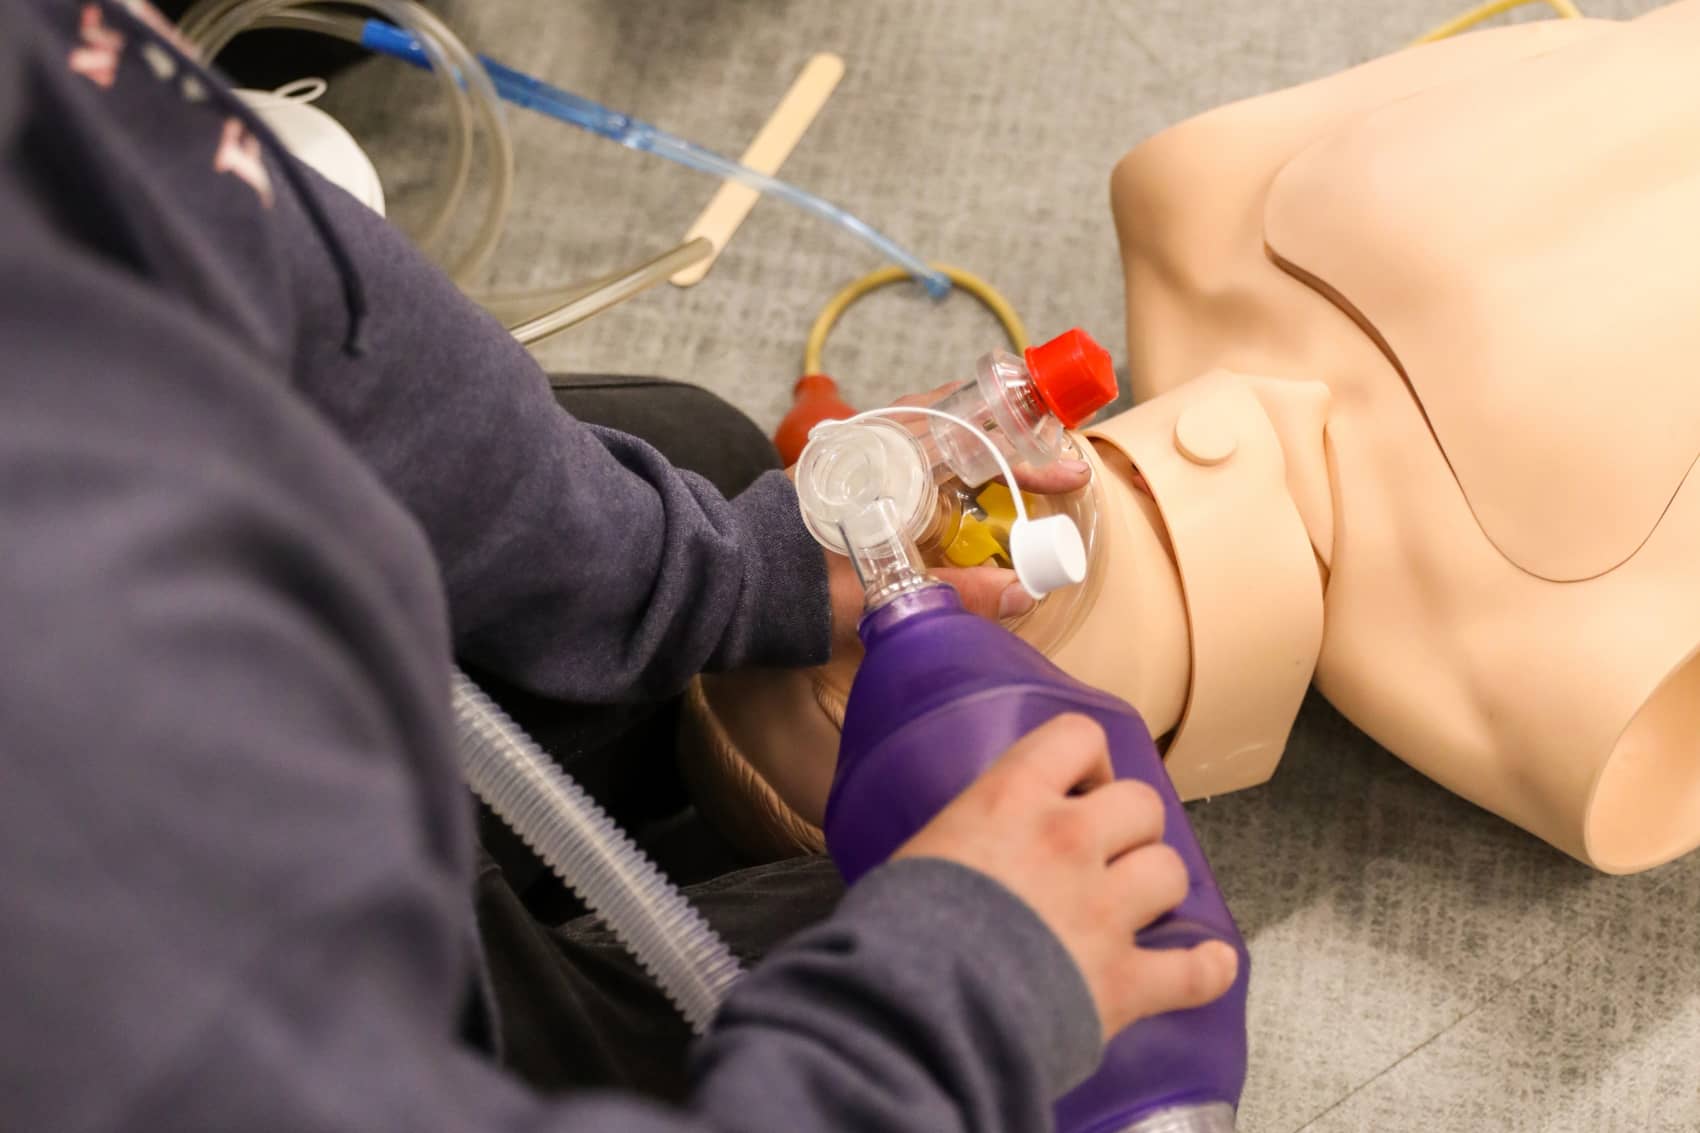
point(1416, 354)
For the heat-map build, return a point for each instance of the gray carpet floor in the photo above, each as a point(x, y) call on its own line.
point(1419, 964)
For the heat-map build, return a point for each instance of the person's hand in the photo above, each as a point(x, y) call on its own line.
point(989, 591)
point(1051, 824)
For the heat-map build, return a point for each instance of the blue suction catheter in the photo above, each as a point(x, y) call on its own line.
point(535, 94)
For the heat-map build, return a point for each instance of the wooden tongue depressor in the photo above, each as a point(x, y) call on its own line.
point(733, 202)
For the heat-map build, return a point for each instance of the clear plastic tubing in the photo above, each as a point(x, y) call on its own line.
point(590, 853)
point(535, 94)
point(617, 289)
point(211, 24)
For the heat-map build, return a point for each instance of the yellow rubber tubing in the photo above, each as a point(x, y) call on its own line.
point(989, 297)
point(1565, 9)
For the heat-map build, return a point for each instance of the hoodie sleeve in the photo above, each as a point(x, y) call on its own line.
point(230, 829)
point(579, 563)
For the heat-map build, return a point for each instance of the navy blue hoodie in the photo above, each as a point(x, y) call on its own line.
point(262, 471)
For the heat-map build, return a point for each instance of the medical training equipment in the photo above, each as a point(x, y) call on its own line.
point(1481, 13)
point(939, 696)
point(1047, 553)
point(576, 110)
point(816, 395)
point(474, 89)
point(476, 109)
point(589, 852)
point(1014, 411)
point(1360, 456)
point(414, 36)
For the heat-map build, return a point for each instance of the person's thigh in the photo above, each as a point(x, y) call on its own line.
point(576, 1011)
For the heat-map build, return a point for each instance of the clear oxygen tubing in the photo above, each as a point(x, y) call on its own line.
point(541, 312)
point(475, 107)
point(535, 94)
point(590, 853)
point(419, 38)
point(604, 293)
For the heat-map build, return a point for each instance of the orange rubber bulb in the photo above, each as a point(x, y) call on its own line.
point(817, 400)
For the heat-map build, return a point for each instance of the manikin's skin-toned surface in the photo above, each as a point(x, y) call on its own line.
point(1414, 352)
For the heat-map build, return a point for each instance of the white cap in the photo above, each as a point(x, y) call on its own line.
point(1048, 554)
point(318, 139)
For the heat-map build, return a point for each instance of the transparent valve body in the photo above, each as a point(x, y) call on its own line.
point(1003, 402)
point(887, 561)
point(854, 476)
point(845, 469)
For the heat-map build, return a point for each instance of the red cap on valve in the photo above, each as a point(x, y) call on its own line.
point(816, 400)
point(1074, 376)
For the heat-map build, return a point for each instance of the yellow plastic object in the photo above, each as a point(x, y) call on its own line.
point(988, 296)
point(995, 500)
point(974, 544)
point(981, 540)
point(1482, 12)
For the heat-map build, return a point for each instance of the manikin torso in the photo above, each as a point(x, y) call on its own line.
point(1415, 355)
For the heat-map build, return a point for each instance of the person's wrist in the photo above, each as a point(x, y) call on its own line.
point(785, 606)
